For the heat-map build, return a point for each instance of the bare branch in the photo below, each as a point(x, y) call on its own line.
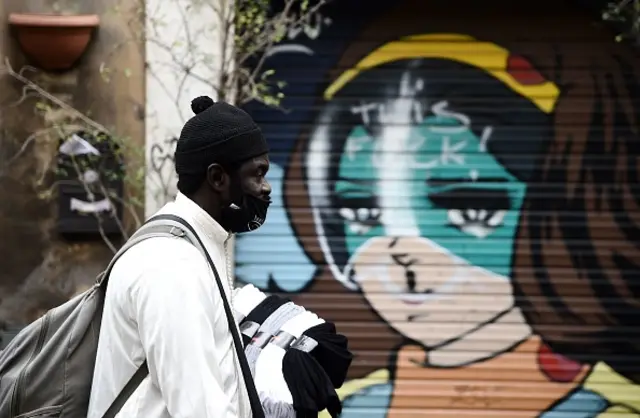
point(113, 210)
point(25, 145)
point(45, 94)
point(99, 220)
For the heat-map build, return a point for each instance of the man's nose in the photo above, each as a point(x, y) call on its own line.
point(266, 188)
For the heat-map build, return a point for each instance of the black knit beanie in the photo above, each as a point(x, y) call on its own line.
point(218, 133)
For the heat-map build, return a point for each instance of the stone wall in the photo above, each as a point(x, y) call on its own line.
point(39, 269)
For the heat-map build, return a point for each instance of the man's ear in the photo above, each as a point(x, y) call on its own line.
point(217, 178)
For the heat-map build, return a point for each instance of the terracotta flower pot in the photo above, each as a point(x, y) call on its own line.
point(53, 42)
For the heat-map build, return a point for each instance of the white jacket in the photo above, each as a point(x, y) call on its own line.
point(163, 304)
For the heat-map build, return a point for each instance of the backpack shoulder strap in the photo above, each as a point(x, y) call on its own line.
point(150, 229)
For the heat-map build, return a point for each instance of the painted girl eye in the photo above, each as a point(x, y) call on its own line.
point(360, 215)
point(477, 222)
point(474, 211)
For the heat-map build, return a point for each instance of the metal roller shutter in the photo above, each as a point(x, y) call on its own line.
point(457, 188)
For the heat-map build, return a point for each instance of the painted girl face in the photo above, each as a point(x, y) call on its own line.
point(429, 217)
point(427, 293)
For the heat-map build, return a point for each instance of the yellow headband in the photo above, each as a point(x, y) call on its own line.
point(485, 55)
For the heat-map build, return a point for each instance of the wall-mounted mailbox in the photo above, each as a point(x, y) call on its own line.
point(90, 174)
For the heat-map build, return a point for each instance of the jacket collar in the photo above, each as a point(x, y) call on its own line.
point(188, 210)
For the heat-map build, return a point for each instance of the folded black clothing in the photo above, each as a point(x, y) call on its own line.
point(310, 387)
point(332, 352)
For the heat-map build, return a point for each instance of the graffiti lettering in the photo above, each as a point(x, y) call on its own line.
point(311, 26)
point(451, 152)
point(440, 109)
point(379, 111)
point(162, 154)
point(484, 138)
point(161, 171)
point(364, 109)
point(387, 112)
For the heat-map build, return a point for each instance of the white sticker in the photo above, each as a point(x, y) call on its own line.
point(76, 145)
point(83, 206)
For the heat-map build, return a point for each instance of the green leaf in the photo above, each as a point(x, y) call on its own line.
point(42, 106)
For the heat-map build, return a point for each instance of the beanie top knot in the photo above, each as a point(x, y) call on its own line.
point(200, 104)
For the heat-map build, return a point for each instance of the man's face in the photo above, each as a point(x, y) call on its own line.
point(248, 191)
point(249, 179)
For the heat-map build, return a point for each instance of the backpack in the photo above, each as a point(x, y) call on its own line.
point(46, 371)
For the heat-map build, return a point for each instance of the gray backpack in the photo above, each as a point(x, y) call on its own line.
point(46, 371)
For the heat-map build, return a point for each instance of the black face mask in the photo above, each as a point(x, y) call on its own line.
point(248, 217)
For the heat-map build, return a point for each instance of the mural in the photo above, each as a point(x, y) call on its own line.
point(463, 201)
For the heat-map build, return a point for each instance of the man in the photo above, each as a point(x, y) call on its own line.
point(162, 302)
